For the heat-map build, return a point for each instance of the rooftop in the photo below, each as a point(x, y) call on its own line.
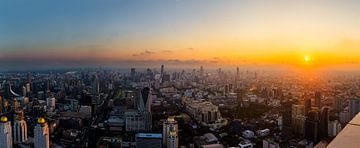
point(349, 136)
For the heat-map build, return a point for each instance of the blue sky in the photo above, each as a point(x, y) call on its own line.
point(116, 30)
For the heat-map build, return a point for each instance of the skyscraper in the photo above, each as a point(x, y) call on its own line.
point(50, 103)
point(41, 134)
point(354, 107)
point(95, 85)
point(132, 74)
point(318, 99)
point(5, 133)
point(162, 71)
point(312, 126)
point(298, 119)
point(324, 121)
point(144, 100)
point(170, 133)
point(20, 128)
point(307, 104)
point(337, 104)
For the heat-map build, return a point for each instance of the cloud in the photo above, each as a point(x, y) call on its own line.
point(192, 49)
point(144, 53)
point(167, 51)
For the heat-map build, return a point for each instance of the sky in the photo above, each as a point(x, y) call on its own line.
point(128, 33)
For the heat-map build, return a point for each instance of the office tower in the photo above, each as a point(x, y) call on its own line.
point(318, 99)
point(95, 85)
point(50, 103)
point(354, 107)
point(27, 85)
point(312, 126)
point(29, 77)
point(24, 91)
point(240, 94)
point(201, 71)
point(136, 121)
point(298, 119)
point(162, 71)
point(170, 133)
point(307, 104)
point(148, 140)
point(5, 133)
point(337, 104)
point(1, 105)
point(41, 134)
point(286, 110)
point(20, 128)
point(144, 100)
point(132, 73)
point(324, 122)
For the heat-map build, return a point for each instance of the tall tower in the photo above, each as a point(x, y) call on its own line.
point(162, 71)
point(41, 134)
point(354, 107)
point(170, 133)
point(20, 128)
point(95, 85)
point(144, 103)
point(318, 99)
point(1, 105)
point(5, 133)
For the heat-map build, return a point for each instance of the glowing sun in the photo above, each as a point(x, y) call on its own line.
point(307, 58)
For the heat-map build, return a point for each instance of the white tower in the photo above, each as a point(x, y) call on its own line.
point(20, 128)
point(41, 134)
point(170, 133)
point(5, 133)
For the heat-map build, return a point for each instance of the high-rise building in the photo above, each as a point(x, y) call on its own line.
point(145, 100)
point(298, 119)
point(307, 104)
point(148, 140)
point(162, 71)
point(41, 134)
point(354, 107)
point(286, 112)
point(324, 122)
point(170, 133)
point(312, 126)
point(50, 103)
point(338, 104)
point(318, 99)
point(240, 95)
point(95, 85)
point(1, 105)
point(132, 73)
point(20, 128)
point(201, 71)
point(5, 133)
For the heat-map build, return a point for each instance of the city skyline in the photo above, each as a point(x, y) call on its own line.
point(179, 33)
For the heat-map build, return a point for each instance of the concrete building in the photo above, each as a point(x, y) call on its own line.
point(354, 107)
point(20, 133)
point(148, 140)
point(298, 119)
point(136, 121)
point(5, 133)
point(170, 133)
point(50, 103)
point(41, 134)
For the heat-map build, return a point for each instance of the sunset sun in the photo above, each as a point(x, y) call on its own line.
point(307, 58)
